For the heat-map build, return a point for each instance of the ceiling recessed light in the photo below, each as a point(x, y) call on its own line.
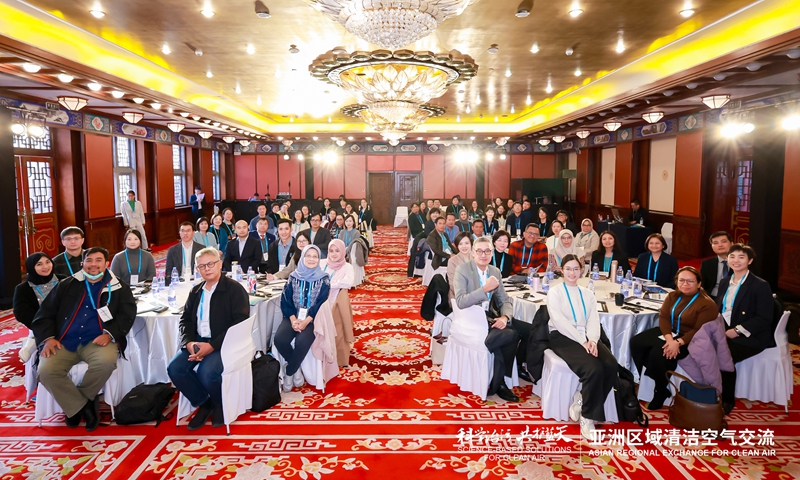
point(754, 66)
point(165, 49)
point(117, 94)
point(207, 120)
point(468, 110)
point(535, 48)
point(96, 13)
point(620, 45)
point(209, 74)
point(250, 49)
point(578, 72)
point(350, 138)
point(496, 119)
point(207, 12)
point(238, 89)
point(512, 108)
point(156, 105)
point(94, 86)
point(293, 49)
point(493, 49)
point(528, 100)
point(687, 12)
point(330, 120)
point(138, 100)
point(458, 118)
point(478, 100)
point(508, 72)
point(31, 67)
point(575, 12)
point(692, 86)
point(65, 78)
point(720, 77)
point(369, 139)
point(315, 138)
point(216, 124)
point(794, 53)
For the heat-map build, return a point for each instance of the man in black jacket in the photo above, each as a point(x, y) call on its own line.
point(416, 223)
point(714, 269)
point(281, 251)
point(320, 237)
point(85, 318)
point(430, 225)
point(440, 245)
point(639, 214)
point(212, 307)
point(243, 249)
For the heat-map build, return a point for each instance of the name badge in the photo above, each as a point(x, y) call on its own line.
point(265, 257)
point(134, 279)
point(485, 305)
point(105, 315)
point(302, 314)
point(281, 267)
point(727, 317)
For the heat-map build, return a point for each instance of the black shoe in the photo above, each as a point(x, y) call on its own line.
point(91, 414)
point(727, 407)
point(217, 418)
point(203, 412)
point(74, 420)
point(524, 375)
point(506, 394)
point(658, 400)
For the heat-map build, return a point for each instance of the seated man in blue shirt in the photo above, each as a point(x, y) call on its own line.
point(85, 318)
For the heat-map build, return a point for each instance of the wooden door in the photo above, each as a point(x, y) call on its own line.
point(381, 197)
point(36, 211)
point(407, 188)
point(727, 190)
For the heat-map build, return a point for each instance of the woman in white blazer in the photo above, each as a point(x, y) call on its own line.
point(133, 216)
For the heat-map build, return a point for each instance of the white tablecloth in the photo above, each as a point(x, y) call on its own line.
point(620, 325)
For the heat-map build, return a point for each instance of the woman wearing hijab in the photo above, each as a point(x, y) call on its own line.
point(133, 263)
point(31, 293)
point(588, 239)
point(565, 245)
point(307, 289)
point(463, 221)
point(342, 277)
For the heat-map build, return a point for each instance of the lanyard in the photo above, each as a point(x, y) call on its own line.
point(330, 275)
point(91, 297)
point(230, 232)
point(420, 219)
point(490, 227)
point(305, 299)
point(607, 264)
point(524, 263)
point(574, 317)
point(502, 261)
point(672, 314)
point(445, 243)
point(483, 282)
point(519, 224)
point(202, 301)
point(543, 229)
point(183, 257)
point(216, 234)
point(462, 228)
point(360, 216)
point(129, 262)
point(69, 266)
point(725, 299)
point(649, 264)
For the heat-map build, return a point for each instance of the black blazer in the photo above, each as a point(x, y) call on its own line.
point(25, 303)
point(439, 256)
point(175, 259)
point(250, 257)
point(637, 214)
point(708, 274)
point(599, 257)
point(416, 223)
point(503, 260)
point(490, 228)
point(229, 305)
point(274, 263)
point(667, 268)
point(511, 224)
point(321, 239)
point(753, 310)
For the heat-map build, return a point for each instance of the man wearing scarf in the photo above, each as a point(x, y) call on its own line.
point(85, 318)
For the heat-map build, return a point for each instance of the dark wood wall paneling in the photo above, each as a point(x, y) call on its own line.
point(9, 232)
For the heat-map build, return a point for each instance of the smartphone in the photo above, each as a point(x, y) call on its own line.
point(528, 294)
point(196, 349)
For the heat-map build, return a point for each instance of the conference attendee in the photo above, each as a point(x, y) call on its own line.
point(429, 208)
point(299, 223)
point(329, 220)
point(29, 294)
point(133, 216)
point(475, 213)
point(441, 246)
point(656, 350)
point(501, 258)
point(342, 205)
point(284, 212)
point(527, 214)
point(220, 236)
point(477, 229)
point(528, 253)
point(498, 202)
point(342, 277)
point(490, 224)
point(514, 224)
point(745, 302)
point(198, 203)
point(212, 307)
point(638, 214)
point(542, 223)
point(555, 228)
point(423, 210)
point(85, 318)
point(608, 253)
point(450, 227)
point(587, 238)
point(181, 255)
point(69, 261)
point(312, 287)
point(454, 207)
point(350, 233)
point(306, 212)
point(300, 242)
point(438, 206)
point(254, 198)
point(262, 213)
point(510, 204)
point(365, 217)
point(348, 211)
point(245, 250)
point(479, 283)
point(714, 269)
point(281, 251)
point(416, 221)
point(338, 226)
point(265, 240)
point(203, 234)
point(228, 226)
point(563, 217)
point(133, 265)
point(326, 207)
point(463, 221)
point(501, 217)
point(575, 337)
point(275, 214)
point(656, 264)
point(463, 245)
point(319, 236)
point(565, 245)
point(430, 224)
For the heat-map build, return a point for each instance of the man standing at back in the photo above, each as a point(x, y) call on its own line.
point(262, 213)
point(67, 263)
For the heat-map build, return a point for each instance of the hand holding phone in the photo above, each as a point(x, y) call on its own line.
point(196, 348)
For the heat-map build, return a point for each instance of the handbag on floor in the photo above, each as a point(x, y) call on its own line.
point(695, 406)
point(266, 386)
point(144, 403)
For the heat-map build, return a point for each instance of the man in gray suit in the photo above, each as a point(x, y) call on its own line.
point(181, 256)
point(479, 283)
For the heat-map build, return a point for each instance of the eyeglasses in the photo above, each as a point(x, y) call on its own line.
point(207, 266)
point(688, 281)
point(573, 270)
point(483, 252)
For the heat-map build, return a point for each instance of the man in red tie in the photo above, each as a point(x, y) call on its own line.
point(265, 239)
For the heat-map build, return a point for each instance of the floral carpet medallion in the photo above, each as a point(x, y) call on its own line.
point(392, 347)
point(390, 250)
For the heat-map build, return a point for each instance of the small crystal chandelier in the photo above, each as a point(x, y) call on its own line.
point(390, 23)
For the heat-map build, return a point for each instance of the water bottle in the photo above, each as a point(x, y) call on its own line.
point(546, 284)
point(175, 278)
point(548, 273)
point(641, 222)
point(628, 283)
point(234, 267)
point(530, 276)
point(239, 274)
point(591, 286)
point(619, 275)
point(637, 289)
point(595, 272)
point(172, 297)
point(154, 285)
point(251, 281)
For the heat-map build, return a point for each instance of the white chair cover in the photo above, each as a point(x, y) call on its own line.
point(238, 350)
point(311, 367)
point(410, 244)
point(46, 405)
point(558, 385)
point(467, 361)
point(441, 325)
point(429, 272)
point(401, 217)
point(131, 370)
point(647, 385)
point(767, 377)
point(358, 271)
point(666, 232)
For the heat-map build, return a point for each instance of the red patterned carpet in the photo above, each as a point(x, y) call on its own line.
point(387, 416)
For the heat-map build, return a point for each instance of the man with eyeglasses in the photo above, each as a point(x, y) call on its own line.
point(320, 237)
point(529, 252)
point(68, 263)
point(213, 306)
point(479, 283)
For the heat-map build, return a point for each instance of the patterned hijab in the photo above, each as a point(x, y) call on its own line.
point(303, 273)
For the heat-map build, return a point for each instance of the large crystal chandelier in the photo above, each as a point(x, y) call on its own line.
point(394, 88)
point(391, 130)
point(390, 23)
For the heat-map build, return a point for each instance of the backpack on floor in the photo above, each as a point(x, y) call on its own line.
point(628, 407)
point(144, 403)
point(266, 386)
